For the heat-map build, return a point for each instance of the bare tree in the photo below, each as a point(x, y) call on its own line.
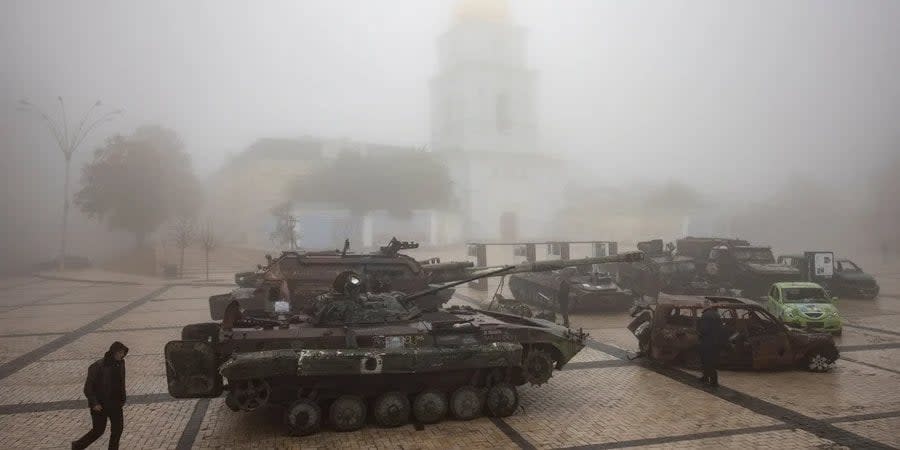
point(209, 240)
point(183, 233)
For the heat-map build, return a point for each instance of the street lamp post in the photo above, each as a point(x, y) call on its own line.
point(69, 141)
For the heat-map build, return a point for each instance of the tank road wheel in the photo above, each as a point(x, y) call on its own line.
point(538, 367)
point(231, 403)
point(248, 395)
point(348, 413)
point(391, 409)
point(502, 400)
point(430, 406)
point(303, 417)
point(466, 403)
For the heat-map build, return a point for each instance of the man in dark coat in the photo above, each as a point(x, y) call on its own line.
point(105, 392)
point(562, 298)
point(710, 331)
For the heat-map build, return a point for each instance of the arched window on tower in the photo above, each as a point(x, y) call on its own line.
point(502, 113)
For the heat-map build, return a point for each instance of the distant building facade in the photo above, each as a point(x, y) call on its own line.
point(245, 191)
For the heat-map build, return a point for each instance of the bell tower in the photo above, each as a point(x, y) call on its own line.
point(484, 124)
point(482, 98)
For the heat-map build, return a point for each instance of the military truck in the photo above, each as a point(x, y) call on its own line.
point(735, 264)
point(350, 353)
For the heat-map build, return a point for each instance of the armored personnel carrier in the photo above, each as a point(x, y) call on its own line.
point(595, 291)
point(663, 271)
point(349, 355)
point(307, 274)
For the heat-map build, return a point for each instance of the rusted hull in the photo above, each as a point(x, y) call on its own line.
point(311, 363)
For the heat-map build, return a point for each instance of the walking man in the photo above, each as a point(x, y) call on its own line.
point(105, 392)
point(562, 298)
point(709, 328)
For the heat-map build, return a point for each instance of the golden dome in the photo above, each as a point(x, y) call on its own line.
point(492, 10)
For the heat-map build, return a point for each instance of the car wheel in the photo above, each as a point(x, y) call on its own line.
point(821, 359)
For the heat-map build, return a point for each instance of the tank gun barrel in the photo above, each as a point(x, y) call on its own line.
point(455, 271)
point(546, 266)
point(537, 266)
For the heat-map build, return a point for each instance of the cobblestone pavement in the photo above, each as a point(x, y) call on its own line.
point(51, 330)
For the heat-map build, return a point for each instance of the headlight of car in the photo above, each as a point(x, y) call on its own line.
point(791, 314)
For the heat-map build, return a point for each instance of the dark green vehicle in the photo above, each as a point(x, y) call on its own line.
point(350, 354)
point(844, 280)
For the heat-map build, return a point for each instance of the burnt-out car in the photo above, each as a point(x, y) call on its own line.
point(757, 340)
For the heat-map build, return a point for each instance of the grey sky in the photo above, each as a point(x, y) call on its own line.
point(727, 94)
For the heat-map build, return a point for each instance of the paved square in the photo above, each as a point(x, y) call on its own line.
point(52, 330)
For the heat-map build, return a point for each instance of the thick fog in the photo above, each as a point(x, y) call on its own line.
point(738, 103)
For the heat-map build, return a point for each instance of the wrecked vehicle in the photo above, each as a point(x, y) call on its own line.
point(303, 275)
point(852, 282)
point(750, 269)
point(519, 308)
point(844, 279)
point(663, 271)
point(699, 248)
point(307, 274)
point(735, 264)
point(351, 354)
point(758, 340)
point(594, 291)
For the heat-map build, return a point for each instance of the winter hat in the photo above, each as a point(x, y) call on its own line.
point(116, 346)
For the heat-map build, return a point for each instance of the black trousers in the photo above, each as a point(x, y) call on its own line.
point(709, 363)
point(117, 423)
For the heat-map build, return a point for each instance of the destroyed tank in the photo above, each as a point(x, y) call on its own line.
point(307, 274)
point(349, 355)
point(594, 291)
point(663, 271)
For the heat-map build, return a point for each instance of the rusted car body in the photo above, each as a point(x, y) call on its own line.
point(349, 353)
point(758, 340)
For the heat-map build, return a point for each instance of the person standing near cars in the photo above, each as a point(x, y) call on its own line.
point(710, 331)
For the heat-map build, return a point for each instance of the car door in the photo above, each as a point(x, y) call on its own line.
point(768, 341)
